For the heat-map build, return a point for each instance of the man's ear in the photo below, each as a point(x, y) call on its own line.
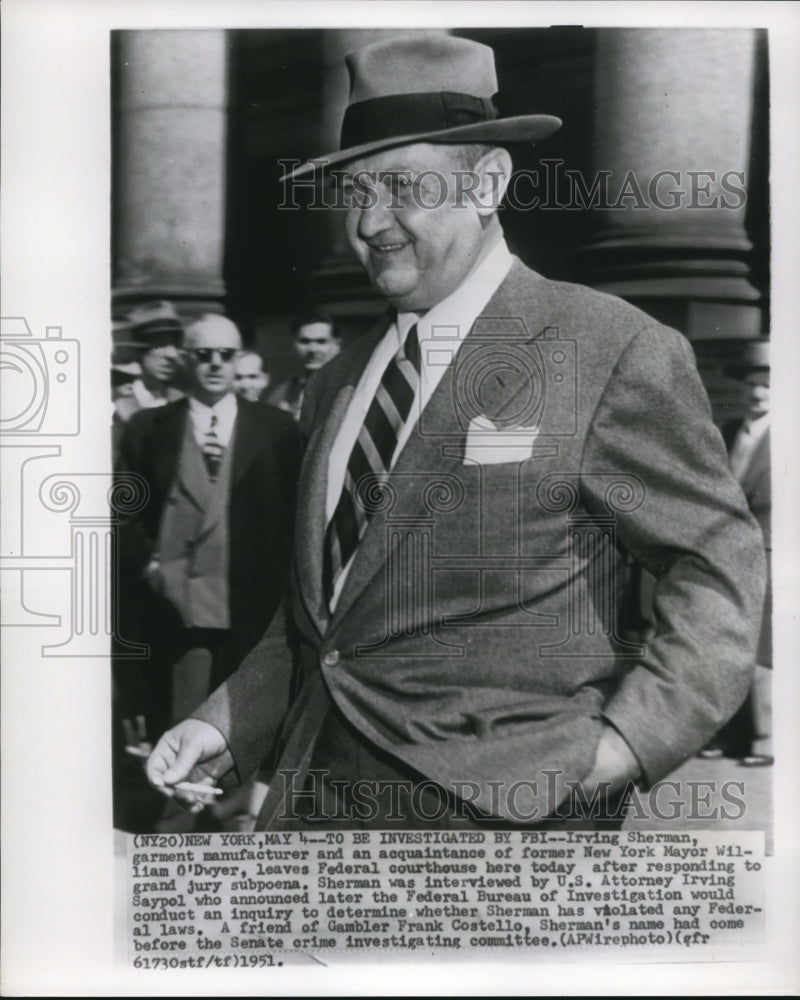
point(494, 172)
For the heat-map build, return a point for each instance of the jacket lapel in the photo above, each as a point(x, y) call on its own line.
point(437, 443)
point(245, 441)
point(313, 486)
point(168, 441)
point(423, 455)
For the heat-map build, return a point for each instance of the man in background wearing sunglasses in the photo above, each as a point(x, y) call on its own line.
point(206, 557)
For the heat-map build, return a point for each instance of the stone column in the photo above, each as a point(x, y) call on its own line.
point(170, 170)
point(673, 126)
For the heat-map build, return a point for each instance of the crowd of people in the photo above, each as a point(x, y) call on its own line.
point(202, 566)
point(441, 637)
point(151, 371)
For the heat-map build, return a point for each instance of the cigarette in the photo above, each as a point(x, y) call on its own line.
point(190, 786)
point(137, 751)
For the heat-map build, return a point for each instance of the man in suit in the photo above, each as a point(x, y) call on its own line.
point(207, 558)
point(156, 333)
point(316, 341)
point(250, 381)
point(748, 441)
point(476, 471)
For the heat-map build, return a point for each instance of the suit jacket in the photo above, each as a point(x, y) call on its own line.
point(124, 408)
point(260, 511)
point(496, 657)
point(756, 484)
point(287, 395)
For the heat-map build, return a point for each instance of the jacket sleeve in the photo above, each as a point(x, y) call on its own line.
point(136, 542)
point(694, 533)
point(250, 707)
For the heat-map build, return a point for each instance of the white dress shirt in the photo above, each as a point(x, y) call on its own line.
point(201, 414)
point(440, 333)
point(145, 398)
point(745, 443)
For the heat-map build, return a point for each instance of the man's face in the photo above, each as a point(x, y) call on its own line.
point(415, 231)
point(249, 380)
point(211, 351)
point(757, 383)
point(160, 362)
point(315, 345)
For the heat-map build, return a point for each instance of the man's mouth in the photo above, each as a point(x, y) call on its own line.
point(384, 248)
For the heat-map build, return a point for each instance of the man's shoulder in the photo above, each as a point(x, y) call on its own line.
point(265, 415)
point(266, 430)
point(578, 310)
point(153, 417)
point(284, 391)
point(603, 328)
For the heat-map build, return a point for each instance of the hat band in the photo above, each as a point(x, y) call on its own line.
point(409, 114)
point(153, 326)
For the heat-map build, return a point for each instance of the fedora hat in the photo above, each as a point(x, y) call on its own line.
point(154, 321)
point(752, 356)
point(125, 371)
point(427, 87)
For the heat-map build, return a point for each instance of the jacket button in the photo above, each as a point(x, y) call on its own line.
point(331, 658)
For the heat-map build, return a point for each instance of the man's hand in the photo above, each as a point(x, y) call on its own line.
point(153, 575)
point(614, 763)
point(192, 751)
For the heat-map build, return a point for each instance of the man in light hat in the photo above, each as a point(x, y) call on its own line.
point(157, 331)
point(207, 557)
point(123, 402)
point(477, 470)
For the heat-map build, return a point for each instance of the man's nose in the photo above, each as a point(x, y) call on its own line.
point(375, 217)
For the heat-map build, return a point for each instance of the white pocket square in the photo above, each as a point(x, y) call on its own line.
point(488, 445)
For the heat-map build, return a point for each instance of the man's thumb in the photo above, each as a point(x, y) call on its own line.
point(188, 755)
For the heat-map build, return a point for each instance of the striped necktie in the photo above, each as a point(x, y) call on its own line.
point(370, 459)
point(212, 449)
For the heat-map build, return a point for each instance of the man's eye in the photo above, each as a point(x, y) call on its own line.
point(356, 194)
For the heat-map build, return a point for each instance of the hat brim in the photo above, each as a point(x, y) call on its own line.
point(522, 129)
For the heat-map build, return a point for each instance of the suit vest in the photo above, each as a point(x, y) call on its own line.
point(193, 537)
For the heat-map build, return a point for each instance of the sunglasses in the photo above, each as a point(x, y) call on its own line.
point(206, 354)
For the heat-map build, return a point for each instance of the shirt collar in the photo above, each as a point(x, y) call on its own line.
point(145, 398)
point(758, 425)
point(225, 407)
point(456, 314)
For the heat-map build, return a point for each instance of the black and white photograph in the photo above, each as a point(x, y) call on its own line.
point(388, 451)
point(527, 564)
